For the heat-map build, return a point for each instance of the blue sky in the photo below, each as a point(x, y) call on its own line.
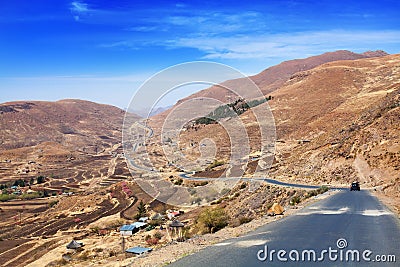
point(103, 50)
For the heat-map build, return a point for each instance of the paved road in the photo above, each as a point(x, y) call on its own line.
point(271, 181)
point(357, 217)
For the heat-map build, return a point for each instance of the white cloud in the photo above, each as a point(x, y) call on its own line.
point(287, 45)
point(214, 23)
point(143, 28)
point(79, 7)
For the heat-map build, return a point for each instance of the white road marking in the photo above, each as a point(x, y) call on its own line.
point(250, 243)
point(376, 212)
point(325, 212)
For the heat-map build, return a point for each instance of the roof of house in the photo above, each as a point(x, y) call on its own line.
point(131, 227)
point(127, 227)
point(74, 245)
point(139, 224)
point(143, 219)
point(176, 223)
point(157, 216)
point(138, 250)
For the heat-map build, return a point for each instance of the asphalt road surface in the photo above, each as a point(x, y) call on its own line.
point(337, 229)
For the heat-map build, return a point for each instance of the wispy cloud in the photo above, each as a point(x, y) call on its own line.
point(143, 28)
point(228, 34)
point(207, 23)
point(79, 8)
point(278, 45)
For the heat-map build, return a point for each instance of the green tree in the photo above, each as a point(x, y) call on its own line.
point(142, 211)
point(19, 182)
point(40, 179)
point(213, 219)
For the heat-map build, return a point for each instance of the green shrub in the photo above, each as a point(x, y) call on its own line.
point(30, 195)
point(295, 200)
point(318, 191)
point(40, 179)
point(213, 219)
point(158, 235)
point(6, 197)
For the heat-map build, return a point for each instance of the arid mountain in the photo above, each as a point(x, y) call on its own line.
point(335, 123)
point(73, 143)
point(80, 125)
point(273, 77)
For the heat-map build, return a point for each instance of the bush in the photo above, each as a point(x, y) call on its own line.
point(245, 219)
point(40, 179)
point(95, 229)
point(178, 182)
point(295, 200)
point(151, 241)
point(30, 195)
point(6, 197)
point(158, 235)
point(213, 219)
point(318, 191)
point(19, 182)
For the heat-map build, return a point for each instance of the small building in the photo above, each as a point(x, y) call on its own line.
point(173, 214)
point(157, 216)
point(128, 229)
point(143, 219)
point(139, 225)
point(74, 245)
point(138, 250)
point(176, 230)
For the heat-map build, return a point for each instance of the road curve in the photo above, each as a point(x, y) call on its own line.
point(355, 218)
point(268, 180)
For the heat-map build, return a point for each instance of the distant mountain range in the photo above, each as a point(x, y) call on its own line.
point(144, 113)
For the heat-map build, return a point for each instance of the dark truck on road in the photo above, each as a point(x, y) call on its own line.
point(355, 186)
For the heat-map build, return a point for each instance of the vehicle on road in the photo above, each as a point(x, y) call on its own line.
point(355, 186)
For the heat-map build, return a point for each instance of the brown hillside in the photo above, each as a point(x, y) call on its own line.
point(80, 125)
point(271, 78)
point(336, 122)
